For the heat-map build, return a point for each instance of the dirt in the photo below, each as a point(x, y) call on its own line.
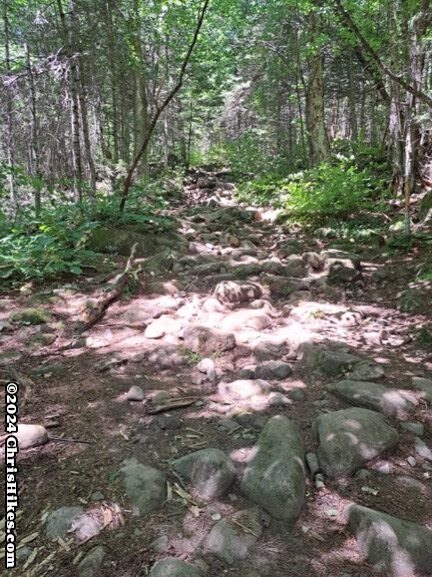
point(96, 429)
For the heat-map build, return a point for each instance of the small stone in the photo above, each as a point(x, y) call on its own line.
point(312, 463)
point(422, 449)
point(59, 521)
point(273, 370)
point(296, 395)
point(31, 436)
point(277, 399)
point(205, 365)
point(91, 563)
point(413, 427)
point(135, 393)
point(411, 461)
point(161, 544)
point(363, 474)
point(168, 422)
point(97, 496)
point(228, 425)
point(172, 567)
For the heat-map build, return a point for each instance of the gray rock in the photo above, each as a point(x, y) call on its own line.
point(229, 541)
point(390, 402)
point(145, 487)
point(91, 563)
point(210, 472)
point(243, 389)
point(425, 386)
point(59, 521)
point(206, 365)
point(228, 425)
point(328, 362)
point(312, 463)
point(350, 438)
point(161, 544)
point(393, 546)
point(273, 370)
point(207, 341)
point(342, 271)
point(289, 247)
point(295, 266)
point(422, 449)
point(296, 394)
point(31, 436)
point(162, 326)
point(412, 462)
point(414, 428)
point(172, 567)
point(135, 393)
point(314, 260)
point(234, 293)
point(366, 371)
point(168, 422)
point(275, 476)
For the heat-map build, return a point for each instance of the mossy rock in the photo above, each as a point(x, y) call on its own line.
point(30, 316)
point(112, 240)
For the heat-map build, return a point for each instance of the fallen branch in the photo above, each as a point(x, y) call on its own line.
point(95, 310)
point(171, 404)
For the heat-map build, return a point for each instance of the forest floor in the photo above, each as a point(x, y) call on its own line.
point(283, 297)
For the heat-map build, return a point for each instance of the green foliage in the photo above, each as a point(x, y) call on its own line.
point(45, 248)
point(334, 190)
point(423, 337)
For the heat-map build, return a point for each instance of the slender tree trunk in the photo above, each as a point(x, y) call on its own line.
point(82, 95)
point(9, 113)
point(318, 140)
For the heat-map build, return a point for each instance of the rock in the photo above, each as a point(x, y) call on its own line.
point(277, 399)
point(30, 316)
point(135, 393)
point(342, 271)
point(296, 395)
point(350, 438)
point(425, 386)
point(412, 462)
point(229, 541)
point(366, 371)
point(168, 422)
point(414, 428)
point(206, 365)
point(289, 247)
point(314, 260)
point(172, 567)
point(312, 463)
point(243, 389)
point(145, 487)
point(273, 370)
point(295, 266)
point(392, 546)
point(390, 402)
point(162, 326)
point(328, 362)
point(238, 320)
point(161, 544)
point(31, 436)
point(422, 449)
point(91, 563)
point(228, 425)
point(231, 292)
point(209, 471)
point(207, 341)
point(59, 522)
point(275, 477)
point(333, 255)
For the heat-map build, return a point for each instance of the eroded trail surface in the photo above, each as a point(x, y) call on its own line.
point(255, 407)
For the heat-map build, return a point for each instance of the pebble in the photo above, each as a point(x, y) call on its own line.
point(135, 393)
point(412, 461)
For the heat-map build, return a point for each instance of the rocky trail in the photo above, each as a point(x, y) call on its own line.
point(256, 406)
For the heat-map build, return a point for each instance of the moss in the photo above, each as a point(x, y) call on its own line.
point(30, 316)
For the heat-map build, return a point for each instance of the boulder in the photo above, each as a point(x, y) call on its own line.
point(207, 341)
point(172, 567)
point(234, 293)
point(273, 370)
point(393, 546)
point(275, 476)
point(210, 471)
point(390, 402)
point(328, 362)
point(229, 541)
point(295, 266)
point(145, 486)
point(366, 371)
point(342, 272)
point(350, 438)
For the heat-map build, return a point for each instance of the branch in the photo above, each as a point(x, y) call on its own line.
point(367, 48)
point(161, 107)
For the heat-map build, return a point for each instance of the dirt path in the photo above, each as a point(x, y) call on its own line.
point(252, 320)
